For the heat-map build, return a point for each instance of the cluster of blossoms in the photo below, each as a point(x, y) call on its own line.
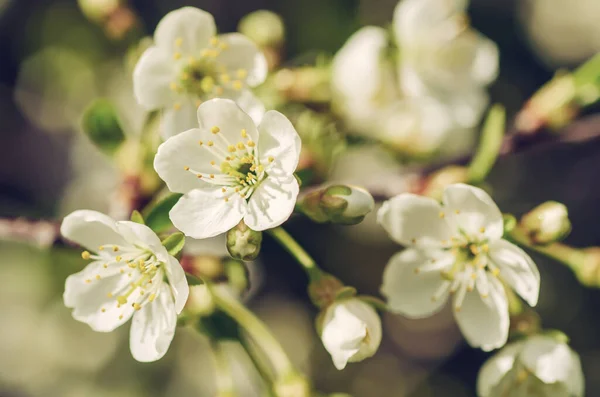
point(422, 91)
point(233, 164)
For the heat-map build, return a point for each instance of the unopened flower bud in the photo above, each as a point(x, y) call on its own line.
point(588, 273)
point(439, 180)
point(343, 204)
point(350, 331)
point(200, 301)
point(98, 10)
point(243, 243)
point(547, 223)
point(263, 27)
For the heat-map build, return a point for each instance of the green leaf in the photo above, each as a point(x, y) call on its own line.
point(101, 124)
point(137, 217)
point(489, 146)
point(157, 217)
point(174, 243)
point(193, 280)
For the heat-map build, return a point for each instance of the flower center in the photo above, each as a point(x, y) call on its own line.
point(202, 75)
point(237, 167)
point(140, 265)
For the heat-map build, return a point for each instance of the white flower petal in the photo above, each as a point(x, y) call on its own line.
point(152, 76)
point(272, 203)
point(141, 236)
point(415, 220)
point(248, 102)
point(517, 269)
point(357, 70)
point(494, 369)
point(178, 282)
point(177, 120)
point(278, 140)
point(241, 53)
point(346, 325)
point(153, 327)
point(473, 211)
point(416, 293)
point(204, 213)
point(91, 229)
point(187, 30)
point(552, 362)
point(229, 118)
point(484, 322)
point(88, 296)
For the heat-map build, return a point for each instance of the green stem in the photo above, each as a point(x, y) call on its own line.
point(302, 257)
point(259, 363)
point(224, 378)
point(256, 329)
point(489, 146)
point(572, 257)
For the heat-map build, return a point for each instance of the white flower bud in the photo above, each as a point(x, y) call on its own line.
point(351, 331)
point(338, 204)
point(541, 365)
point(547, 223)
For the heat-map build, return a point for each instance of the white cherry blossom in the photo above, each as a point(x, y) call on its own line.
point(351, 331)
point(456, 249)
point(190, 64)
point(229, 169)
point(131, 275)
point(537, 366)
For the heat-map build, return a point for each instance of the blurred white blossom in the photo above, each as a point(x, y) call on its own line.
point(539, 365)
point(127, 276)
point(189, 64)
point(456, 248)
point(229, 169)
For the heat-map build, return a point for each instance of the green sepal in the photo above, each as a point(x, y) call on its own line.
point(509, 222)
point(137, 217)
point(193, 280)
point(101, 124)
point(174, 243)
point(157, 217)
point(373, 301)
point(345, 293)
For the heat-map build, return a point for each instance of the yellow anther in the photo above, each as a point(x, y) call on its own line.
point(105, 266)
point(200, 143)
point(215, 130)
point(225, 78)
point(132, 265)
point(173, 86)
point(244, 133)
point(240, 145)
point(414, 240)
point(85, 255)
point(231, 148)
point(223, 190)
point(88, 281)
point(457, 309)
point(473, 276)
point(219, 90)
point(122, 271)
point(98, 277)
point(199, 176)
point(485, 248)
point(251, 143)
point(122, 299)
point(121, 317)
point(177, 106)
point(227, 159)
point(118, 258)
point(152, 297)
point(223, 46)
point(210, 143)
point(142, 292)
point(204, 53)
point(271, 159)
point(226, 199)
point(212, 162)
point(100, 248)
point(214, 41)
point(237, 85)
point(474, 250)
point(103, 310)
point(186, 168)
point(482, 230)
point(184, 76)
point(241, 73)
point(417, 270)
point(110, 295)
point(496, 272)
point(137, 306)
point(442, 215)
point(115, 248)
point(457, 212)
point(178, 41)
point(212, 176)
point(129, 275)
point(237, 189)
point(260, 168)
point(177, 56)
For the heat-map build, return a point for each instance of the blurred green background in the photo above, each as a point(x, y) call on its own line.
point(54, 61)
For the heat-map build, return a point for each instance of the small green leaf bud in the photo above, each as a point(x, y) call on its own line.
point(243, 243)
point(547, 223)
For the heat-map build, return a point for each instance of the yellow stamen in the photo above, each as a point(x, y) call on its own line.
point(215, 130)
point(85, 255)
